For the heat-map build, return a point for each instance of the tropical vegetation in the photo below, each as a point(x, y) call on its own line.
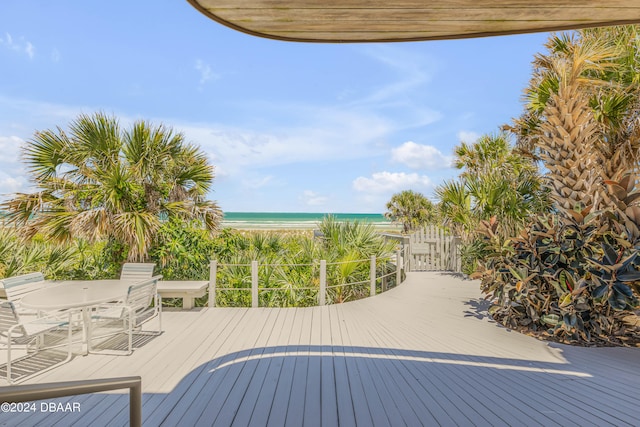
point(289, 265)
point(98, 181)
point(495, 180)
point(288, 262)
point(574, 273)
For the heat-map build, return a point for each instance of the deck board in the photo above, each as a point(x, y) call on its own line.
point(223, 411)
point(424, 353)
point(313, 388)
point(264, 401)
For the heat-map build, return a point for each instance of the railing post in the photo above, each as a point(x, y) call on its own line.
point(254, 284)
point(213, 273)
point(399, 268)
point(372, 275)
point(458, 255)
point(408, 254)
point(322, 296)
point(135, 405)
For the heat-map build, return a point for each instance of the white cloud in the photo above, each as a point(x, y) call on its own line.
point(10, 153)
point(413, 71)
point(10, 185)
point(257, 182)
point(418, 156)
point(205, 72)
point(374, 192)
point(21, 45)
point(315, 134)
point(311, 198)
point(12, 176)
point(30, 50)
point(35, 115)
point(468, 136)
point(389, 182)
point(55, 55)
point(400, 96)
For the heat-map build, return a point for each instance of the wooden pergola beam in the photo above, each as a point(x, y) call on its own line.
point(352, 21)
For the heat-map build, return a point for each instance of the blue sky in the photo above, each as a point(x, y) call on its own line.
point(289, 127)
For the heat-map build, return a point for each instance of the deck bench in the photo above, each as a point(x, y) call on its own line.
point(188, 290)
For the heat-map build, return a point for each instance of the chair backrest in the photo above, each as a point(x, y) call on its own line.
point(137, 270)
point(18, 286)
point(141, 295)
point(9, 317)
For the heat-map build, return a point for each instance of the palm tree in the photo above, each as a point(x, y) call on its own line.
point(99, 181)
point(582, 109)
point(494, 181)
point(455, 208)
point(411, 209)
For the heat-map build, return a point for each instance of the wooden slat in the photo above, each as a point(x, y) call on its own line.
point(394, 20)
point(328, 395)
point(432, 249)
point(239, 393)
point(264, 403)
point(304, 18)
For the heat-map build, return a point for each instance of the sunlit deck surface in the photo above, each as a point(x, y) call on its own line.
point(424, 353)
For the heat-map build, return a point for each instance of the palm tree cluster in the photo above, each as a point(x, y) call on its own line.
point(495, 181)
point(582, 113)
point(99, 181)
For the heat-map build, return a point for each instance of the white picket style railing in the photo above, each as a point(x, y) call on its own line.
point(434, 249)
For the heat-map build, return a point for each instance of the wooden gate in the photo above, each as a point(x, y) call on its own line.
point(432, 248)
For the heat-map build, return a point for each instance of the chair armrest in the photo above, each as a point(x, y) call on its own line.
point(41, 324)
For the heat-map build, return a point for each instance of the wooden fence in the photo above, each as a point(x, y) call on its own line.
point(432, 248)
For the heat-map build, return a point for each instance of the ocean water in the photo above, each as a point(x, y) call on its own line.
point(296, 220)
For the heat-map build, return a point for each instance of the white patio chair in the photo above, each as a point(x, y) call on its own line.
point(140, 306)
point(15, 331)
point(18, 286)
point(137, 271)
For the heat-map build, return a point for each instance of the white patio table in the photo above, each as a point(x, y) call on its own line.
point(78, 294)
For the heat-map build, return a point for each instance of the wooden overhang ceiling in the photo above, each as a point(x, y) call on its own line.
point(341, 21)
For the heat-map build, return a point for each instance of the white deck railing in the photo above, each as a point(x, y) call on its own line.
point(391, 267)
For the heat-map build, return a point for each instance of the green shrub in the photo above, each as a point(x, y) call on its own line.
point(571, 277)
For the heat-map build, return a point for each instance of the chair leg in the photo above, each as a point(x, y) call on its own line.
point(159, 305)
point(9, 379)
point(69, 335)
point(130, 331)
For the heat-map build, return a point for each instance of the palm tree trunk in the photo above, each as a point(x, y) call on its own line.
point(568, 149)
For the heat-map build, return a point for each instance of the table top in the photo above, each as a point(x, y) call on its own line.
point(182, 285)
point(76, 293)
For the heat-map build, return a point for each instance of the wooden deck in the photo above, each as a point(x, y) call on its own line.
point(424, 353)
